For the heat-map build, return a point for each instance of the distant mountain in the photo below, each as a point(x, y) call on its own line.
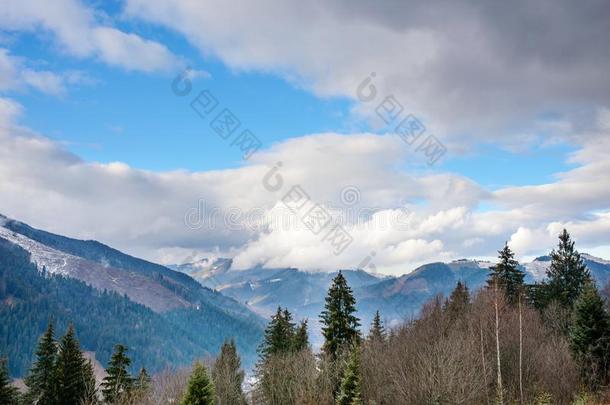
point(401, 298)
point(397, 298)
point(599, 268)
point(195, 319)
point(264, 289)
point(204, 269)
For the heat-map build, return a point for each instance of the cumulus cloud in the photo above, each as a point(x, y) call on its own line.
point(397, 219)
point(77, 30)
point(510, 73)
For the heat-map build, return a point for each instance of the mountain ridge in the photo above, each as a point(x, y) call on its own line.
point(192, 319)
point(396, 297)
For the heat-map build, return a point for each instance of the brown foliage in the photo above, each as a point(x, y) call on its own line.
point(291, 378)
point(443, 359)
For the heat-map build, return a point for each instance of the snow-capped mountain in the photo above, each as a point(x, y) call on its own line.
point(599, 268)
point(397, 298)
point(103, 267)
point(113, 298)
point(140, 288)
point(205, 269)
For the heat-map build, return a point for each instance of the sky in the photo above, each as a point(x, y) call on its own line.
point(318, 135)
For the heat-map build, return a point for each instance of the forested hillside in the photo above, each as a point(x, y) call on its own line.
point(29, 299)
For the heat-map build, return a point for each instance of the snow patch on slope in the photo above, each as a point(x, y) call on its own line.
point(43, 256)
point(538, 268)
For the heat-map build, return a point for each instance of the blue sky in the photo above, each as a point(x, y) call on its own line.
point(525, 127)
point(133, 117)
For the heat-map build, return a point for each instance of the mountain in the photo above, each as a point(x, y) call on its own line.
point(599, 268)
point(303, 293)
point(401, 298)
point(397, 298)
point(264, 289)
point(204, 269)
point(112, 298)
point(103, 267)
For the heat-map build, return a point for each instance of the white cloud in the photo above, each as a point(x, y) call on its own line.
point(78, 32)
point(9, 112)
point(401, 219)
point(14, 75)
point(130, 51)
point(46, 82)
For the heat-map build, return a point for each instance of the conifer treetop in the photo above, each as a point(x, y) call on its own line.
point(567, 274)
point(340, 325)
point(200, 389)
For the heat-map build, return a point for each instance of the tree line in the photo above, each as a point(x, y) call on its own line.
point(61, 374)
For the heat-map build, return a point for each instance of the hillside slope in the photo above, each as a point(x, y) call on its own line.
point(166, 317)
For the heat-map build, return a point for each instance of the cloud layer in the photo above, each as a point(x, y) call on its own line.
point(475, 72)
point(397, 219)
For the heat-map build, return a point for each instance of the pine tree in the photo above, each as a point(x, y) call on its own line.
point(508, 274)
point(567, 274)
point(458, 302)
point(118, 381)
point(377, 332)
point(42, 379)
point(590, 335)
point(228, 376)
point(72, 387)
point(200, 390)
point(349, 393)
point(301, 338)
point(8, 394)
point(340, 325)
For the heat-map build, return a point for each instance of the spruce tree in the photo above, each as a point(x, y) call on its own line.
point(90, 383)
point(508, 274)
point(377, 332)
point(301, 338)
point(228, 376)
point(8, 393)
point(458, 302)
point(42, 379)
point(349, 393)
point(340, 325)
point(118, 382)
point(72, 388)
point(200, 390)
point(590, 335)
point(567, 274)
point(279, 335)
